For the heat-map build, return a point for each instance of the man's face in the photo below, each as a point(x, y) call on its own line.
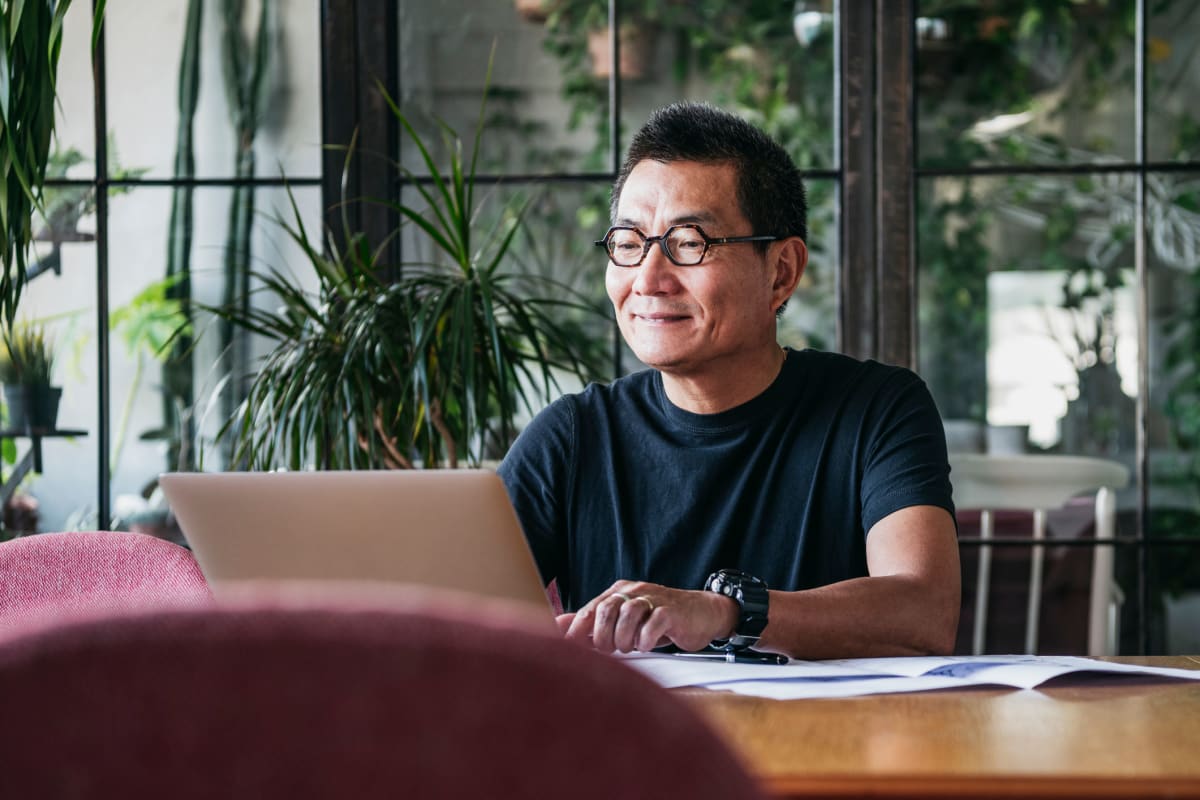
point(685, 319)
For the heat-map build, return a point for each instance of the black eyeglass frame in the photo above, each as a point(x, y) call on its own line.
point(648, 242)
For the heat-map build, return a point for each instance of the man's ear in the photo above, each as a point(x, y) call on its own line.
point(789, 268)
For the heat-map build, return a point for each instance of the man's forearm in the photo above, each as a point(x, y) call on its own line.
point(888, 615)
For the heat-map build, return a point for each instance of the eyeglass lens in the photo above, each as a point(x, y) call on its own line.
point(684, 244)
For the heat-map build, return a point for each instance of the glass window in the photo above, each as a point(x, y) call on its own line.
point(1027, 310)
point(1024, 83)
point(444, 51)
point(247, 121)
point(145, 243)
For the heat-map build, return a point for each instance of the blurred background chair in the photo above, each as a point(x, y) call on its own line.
point(83, 571)
point(253, 701)
point(1037, 484)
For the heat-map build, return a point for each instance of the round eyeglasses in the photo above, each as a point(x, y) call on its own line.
point(685, 245)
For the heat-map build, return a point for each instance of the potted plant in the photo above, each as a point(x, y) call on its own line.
point(428, 370)
point(572, 23)
point(26, 364)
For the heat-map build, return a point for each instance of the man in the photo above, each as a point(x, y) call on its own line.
point(737, 493)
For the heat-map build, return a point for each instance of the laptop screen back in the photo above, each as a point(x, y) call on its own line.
point(450, 529)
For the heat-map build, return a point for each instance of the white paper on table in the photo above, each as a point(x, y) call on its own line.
point(1018, 671)
point(673, 672)
point(860, 676)
point(845, 687)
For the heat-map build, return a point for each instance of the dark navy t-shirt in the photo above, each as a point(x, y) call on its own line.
point(617, 482)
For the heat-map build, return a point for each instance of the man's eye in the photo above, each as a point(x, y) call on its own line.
point(689, 244)
point(626, 247)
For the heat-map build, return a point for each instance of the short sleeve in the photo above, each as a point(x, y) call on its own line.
point(906, 462)
point(538, 472)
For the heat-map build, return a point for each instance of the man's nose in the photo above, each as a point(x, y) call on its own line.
point(656, 275)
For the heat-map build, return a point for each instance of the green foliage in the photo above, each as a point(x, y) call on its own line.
point(429, 369)
point(30, 43)
point(148, 324)
point(27, 357)
point(1002, 57)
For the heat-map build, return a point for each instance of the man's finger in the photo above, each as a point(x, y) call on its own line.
point(631, 617)
point(653, 630)
point(580, 626)
point(604, 626)
point(563, 621)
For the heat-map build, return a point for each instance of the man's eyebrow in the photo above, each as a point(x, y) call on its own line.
point(696, 217)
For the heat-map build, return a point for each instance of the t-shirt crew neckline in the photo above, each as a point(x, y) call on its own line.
point(730, 419)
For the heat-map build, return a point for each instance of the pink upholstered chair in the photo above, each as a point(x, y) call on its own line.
point(51, 575)
point(254, 701)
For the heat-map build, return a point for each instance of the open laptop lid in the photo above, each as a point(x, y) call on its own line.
point(450, 529)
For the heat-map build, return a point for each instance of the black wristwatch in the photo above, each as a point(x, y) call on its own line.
point(750, 593)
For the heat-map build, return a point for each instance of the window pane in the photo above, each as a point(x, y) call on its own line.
point(444, 49)
point(771, 63)
point(165, 406)
point(1026, 312)
point(74, 130)
point(144, 42)
point(1173, 70)
point(1024, 82)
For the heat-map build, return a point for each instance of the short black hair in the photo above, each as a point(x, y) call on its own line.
point(770, 190)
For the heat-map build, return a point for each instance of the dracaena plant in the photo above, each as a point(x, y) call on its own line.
point(30, 42)
point(430, 369)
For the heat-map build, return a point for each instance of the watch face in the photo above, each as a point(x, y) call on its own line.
point(750, 593)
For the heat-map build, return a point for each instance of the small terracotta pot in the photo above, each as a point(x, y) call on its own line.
point(534, 10)
point(637, 51)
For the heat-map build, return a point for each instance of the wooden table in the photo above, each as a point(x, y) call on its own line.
point(1115, 738)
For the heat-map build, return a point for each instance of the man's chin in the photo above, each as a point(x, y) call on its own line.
point(664, 360)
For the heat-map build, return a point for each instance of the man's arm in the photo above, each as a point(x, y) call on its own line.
point(907, 606)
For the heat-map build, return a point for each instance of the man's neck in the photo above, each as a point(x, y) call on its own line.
point(720, 387)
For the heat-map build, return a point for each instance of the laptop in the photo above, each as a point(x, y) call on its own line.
point(448, 529)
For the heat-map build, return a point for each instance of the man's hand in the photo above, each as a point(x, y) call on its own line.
point(632, 615)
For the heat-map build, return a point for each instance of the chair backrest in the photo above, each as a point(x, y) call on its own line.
point(272, 702)
point(53, 574)
point(1038, 484)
